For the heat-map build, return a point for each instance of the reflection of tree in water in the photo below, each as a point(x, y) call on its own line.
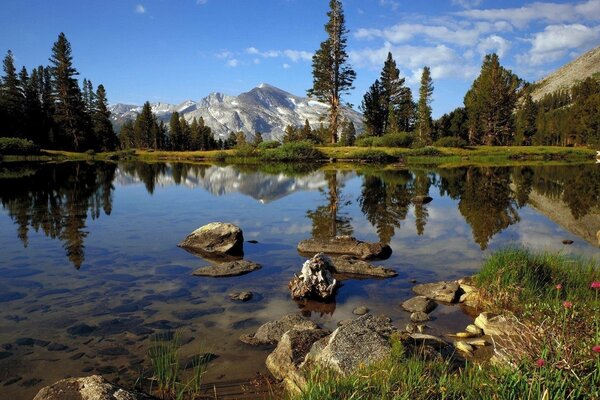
point(57, 200)
point(421, 188)
point(486, 200)
point(328, 220)
point(385, 200)
point(523, 180)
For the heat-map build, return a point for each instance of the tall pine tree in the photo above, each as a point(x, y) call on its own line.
point(332, 75)
point(424, 108)
point(102, 127)
point(11, 98)
point(374, 114)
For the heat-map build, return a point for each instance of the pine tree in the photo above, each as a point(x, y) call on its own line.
point(127, 135)
point(490, 104)
point(526, 121)
point(186, 134)
point(143, 127)
point(348, 134)
point(11, 99)
point(306, 131)
point(196, 135)
point(290, 134)
point(374, 114)
point(258, 138)
point(406, 111)
point(175, 134)
point(69, 107)
point(396, 98)
point(424, 108)
point(332, 76)
point(47, 99)
point(32, 107)
point(102, 127)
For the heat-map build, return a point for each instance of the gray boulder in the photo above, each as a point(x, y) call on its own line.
point(347, 264)
point(92, 387)
point(214, 239)
point(271, 332)
point(231, 268)
point(347, 245)
point(315, 280)
point(362, 341)
point(419, 304)
point(240, 296)
point(447, 292)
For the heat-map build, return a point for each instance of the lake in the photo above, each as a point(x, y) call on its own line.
point(90, 272)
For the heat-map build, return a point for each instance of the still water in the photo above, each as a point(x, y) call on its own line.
point(90, 271)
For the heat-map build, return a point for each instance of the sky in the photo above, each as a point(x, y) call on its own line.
point(175, 50)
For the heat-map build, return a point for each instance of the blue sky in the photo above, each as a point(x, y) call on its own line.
point(174, 50)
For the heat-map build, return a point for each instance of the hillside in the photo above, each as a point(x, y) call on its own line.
point(265, 108)
point(588, 64)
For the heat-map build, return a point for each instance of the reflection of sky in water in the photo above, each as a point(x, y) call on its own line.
point(133, 270)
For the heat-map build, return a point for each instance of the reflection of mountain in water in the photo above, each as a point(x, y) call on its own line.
point(227, 180)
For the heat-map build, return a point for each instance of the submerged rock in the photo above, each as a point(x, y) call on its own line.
point(347, 264)
point(447, 292)
point(240, 296)
point(360, 310)
point(231, 268)
point(419, 304)
point(87, 388)
point(347, 245)
point(216, 238)
point(315, 280)
point(271, 332)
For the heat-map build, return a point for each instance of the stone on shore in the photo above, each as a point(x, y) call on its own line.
point(92, 387)
point(360, 310)
point(231, 268)
point(493, 324)
point(419, 316)
point(216, 238)
point(347, 264)
point(345, 245)
point(271, 332)
point(419, 304)
point(447, 292)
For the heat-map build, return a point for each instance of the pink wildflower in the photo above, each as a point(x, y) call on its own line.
point(540, 362)
point(567, 304)
point(595, 285)
point(596, 349)
point(559, 286)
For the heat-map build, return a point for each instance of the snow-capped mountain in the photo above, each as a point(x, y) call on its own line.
point(265, 108)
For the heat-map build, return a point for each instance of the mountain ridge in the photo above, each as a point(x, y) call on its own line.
point(264, 108)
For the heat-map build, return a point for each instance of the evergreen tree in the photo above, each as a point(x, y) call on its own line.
point(47, 99)
point(396, 98)
point(406, 111)
point(127, 135)
point(33, 128)
point(490, 104)
point(332, 76)
point(69, 108)
point(526, 121)
point(424, 108)
point(374, 115)
point(11, 98)
point(175, 133)
point(306, 131)
point(258, 139)
point(186, 134)
point(290, 134)
point(102, 127)
point(143, 127)
point(348, 134)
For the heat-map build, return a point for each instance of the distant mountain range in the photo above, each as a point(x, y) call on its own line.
point(588, 64)
point(265, 108)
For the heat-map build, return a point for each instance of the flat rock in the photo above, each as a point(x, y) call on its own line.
point(447, 292)
point(494, 324)
point(419, 316)
point(345, 245)
point(419, 304)
point(361, 310)
point(360, 342)
point(240, 296)
point(87, 388)
point(284, 362)
point(428, 339)
point(271, 332)
point(347, 264)
point(231, 268)
point(215, 238)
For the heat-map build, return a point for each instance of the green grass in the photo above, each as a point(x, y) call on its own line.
point(561, 334)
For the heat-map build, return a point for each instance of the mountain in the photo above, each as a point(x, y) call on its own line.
point(588, 64)
point(265, 108)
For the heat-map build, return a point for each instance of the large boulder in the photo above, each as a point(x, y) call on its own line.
point(315, 280)
point(271, 332)
point(351, 265)
point(348, 245)
point(496, 324)
point(92, 387)
point(284, 362)
point(230, 268)
point(359, 342)
point(215, 239)
point(447, 292)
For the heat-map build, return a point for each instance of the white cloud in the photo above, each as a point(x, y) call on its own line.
point(493, 44)
point(252, 50)
point(140, 9)
point(233, 63)
point(286, 66)
point(298, 55)
point(393, 4)
point(556, 41)
point(224, 54)
point(293, 55)
point(467, 3)
point(539, 11)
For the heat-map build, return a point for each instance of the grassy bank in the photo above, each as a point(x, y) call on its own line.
point(557, 356)
point(442, 156)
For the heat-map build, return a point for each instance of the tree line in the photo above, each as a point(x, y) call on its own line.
point(48, 107)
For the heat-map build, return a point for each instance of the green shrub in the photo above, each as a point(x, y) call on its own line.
point(220, 156)
point(365, 141)
point(293, 151)
point(268, 144)
point(450, 141)
point(374, 156)
point(17, 146)
point(428, 151)
point(400, 139)
point(246, 151)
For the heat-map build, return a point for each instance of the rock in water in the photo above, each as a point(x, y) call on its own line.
point(419, 304)
point(87, 388)
point(241, 296)
point(315, 280)
point(232, 268)
point(345, 245)
point(350, 265)
point(271, 332)
point(215, 239)
point(447, 292)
